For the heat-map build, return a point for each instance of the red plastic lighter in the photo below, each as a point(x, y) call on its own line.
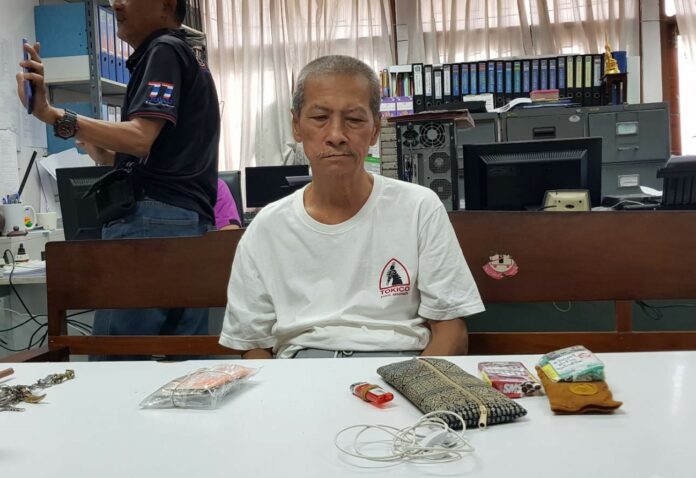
point(371, 393)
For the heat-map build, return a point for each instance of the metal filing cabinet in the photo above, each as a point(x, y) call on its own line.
point(635, 144)
point(544, 123)
point(486, 130)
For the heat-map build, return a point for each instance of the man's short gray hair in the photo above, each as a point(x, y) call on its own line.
point(336, 65)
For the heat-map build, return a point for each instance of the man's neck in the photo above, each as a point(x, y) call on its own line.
point(135, 43)
point(334, 200)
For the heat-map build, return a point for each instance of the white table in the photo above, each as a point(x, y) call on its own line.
point(283, 425)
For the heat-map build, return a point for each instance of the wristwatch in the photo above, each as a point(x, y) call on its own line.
point(66, 127)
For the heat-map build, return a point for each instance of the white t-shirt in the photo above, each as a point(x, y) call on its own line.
point(366, 284)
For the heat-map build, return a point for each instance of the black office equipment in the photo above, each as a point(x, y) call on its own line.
point(427, 156)
point(80, 218)
point(516, 175)
point(679, 175)
point(265, 184)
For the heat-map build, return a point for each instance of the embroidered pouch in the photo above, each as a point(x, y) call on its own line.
point(435, 384)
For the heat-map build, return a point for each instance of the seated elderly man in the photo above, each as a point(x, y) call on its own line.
point(353, 264)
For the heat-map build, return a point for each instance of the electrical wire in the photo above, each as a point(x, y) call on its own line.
point(14, 289)
point(570, 306)
point(655, 311)
point(429, 440)
point(80, 327)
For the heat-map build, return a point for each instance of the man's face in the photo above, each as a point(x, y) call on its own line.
point(137, 19)
point(335, 125)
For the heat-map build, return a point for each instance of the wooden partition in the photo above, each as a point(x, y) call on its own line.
point(617, 256)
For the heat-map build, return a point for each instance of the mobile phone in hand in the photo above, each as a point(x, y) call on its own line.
point(28, 85)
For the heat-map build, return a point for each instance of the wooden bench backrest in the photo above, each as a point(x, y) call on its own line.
point(561, 256)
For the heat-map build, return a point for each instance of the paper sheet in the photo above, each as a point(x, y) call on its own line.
point(47, 174)
point(487, 97)
point(33, 132)
point(650, 191)
point(69, 158)
point(9, 168)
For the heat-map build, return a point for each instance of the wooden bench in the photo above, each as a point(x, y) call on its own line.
point(598, 256)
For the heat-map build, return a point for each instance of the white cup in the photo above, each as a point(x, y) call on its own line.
point(47, 220)
point(16, 215)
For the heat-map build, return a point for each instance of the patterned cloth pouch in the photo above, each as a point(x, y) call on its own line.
point(434, 384)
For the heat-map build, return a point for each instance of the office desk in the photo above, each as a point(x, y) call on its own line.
point(283, 423)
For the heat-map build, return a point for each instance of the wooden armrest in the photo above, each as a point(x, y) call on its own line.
point(42, 354)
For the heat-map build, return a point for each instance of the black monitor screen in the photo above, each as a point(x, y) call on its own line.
point(516, 175)
point(265, 184)
point(80, 219)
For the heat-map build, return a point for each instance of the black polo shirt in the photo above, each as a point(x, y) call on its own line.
point(167, 81)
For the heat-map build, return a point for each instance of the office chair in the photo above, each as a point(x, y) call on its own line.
point(233, 181)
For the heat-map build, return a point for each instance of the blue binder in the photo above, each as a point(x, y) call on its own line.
point(544, 79)
point(61, 29)
point(535, 75)
point(119, 60)
point(562, 85)
point(491, 77)
point(482, 78)
point(104, 41)
point(111, 32)
point(473, 79)
point(455, 83)
point(526, 77)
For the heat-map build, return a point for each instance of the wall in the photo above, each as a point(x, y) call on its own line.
point(17, 22)
point(651, 52)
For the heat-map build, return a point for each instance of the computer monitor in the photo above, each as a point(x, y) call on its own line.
point(516, 175)
point(265, 184)
point(80, 217)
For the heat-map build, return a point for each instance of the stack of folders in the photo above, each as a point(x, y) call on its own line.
point(578, 77)
point(111, 113)
point(113, 51)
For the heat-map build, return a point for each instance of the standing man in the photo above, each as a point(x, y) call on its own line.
point(167, 139)
point(354, 263)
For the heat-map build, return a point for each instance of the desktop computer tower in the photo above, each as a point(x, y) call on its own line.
point(426, 152)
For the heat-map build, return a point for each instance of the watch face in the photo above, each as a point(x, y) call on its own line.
point(65, 129)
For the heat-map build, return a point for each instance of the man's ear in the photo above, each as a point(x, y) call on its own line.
point(296, 127)
point(376, 131)
point(169, 8)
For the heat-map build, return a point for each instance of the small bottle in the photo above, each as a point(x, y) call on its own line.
point(371, 393)
point(21, 254)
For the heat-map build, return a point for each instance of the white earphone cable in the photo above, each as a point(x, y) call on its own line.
point(429, 440)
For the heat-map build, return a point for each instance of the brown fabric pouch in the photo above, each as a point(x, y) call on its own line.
point(578, 397)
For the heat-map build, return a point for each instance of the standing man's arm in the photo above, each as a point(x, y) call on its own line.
point(447, 337)
point(134, 137)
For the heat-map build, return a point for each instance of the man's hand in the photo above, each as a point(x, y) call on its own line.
point(41, 108)
point(101, 156)
point(447, 337)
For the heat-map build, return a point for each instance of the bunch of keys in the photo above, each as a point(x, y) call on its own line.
point(11, 395)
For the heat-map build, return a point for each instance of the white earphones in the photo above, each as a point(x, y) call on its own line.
point(429, 440)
